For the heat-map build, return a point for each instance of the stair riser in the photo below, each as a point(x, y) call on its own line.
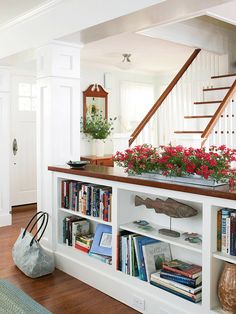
point(206, 109)
point(223, 81)
point(214, 95)
point(195, 124)
point(187, 140)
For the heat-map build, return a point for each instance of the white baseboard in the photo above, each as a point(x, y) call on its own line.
point(5, 219)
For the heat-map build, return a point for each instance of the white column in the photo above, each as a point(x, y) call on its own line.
point(58, 119)
point(5, 215)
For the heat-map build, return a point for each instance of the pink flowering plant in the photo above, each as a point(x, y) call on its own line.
point(214, 163)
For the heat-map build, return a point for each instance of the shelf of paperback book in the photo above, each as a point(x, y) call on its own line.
point(180, 242)
point(95, 219)
point(225, 257)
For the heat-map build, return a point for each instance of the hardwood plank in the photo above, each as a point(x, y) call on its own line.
point(198, 117)
point(59, 292)
point(224, 75)
point(215, 88)
point(207, 102)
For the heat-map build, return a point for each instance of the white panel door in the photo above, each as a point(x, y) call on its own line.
point(23, 150)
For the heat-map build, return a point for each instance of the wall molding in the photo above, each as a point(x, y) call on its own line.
point(30, 14)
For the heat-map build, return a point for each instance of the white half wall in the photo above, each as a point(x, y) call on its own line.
point(5, 215)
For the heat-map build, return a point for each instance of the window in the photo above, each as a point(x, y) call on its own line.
point(27, 97)
point(136, 100)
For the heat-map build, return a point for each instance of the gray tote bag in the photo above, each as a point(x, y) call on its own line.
point(28, 254)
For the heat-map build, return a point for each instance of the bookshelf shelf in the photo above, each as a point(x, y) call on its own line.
point(126, 288)
point(74, 213)
point(180, 242)
point(225, 257)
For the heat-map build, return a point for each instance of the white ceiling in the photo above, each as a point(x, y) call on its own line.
point(147, 54)
point(10, 9)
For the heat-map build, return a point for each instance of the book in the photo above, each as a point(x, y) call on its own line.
point(139, 242)
point(81, 248)
point(181, 279)
point(219, 234)
point(154, 256)
point(225, 214)
point(79, 227)
point(233, 233)
point(156, 277)
point(102, 242)
point(102, 258)
point(183, 268)
point(194, 298)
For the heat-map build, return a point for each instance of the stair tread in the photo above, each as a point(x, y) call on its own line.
point(215, 88)
point(198, 117)
point(207, 102)
point(223, 75)
point(188, 132)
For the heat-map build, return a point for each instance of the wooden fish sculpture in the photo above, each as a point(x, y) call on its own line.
point(168, 207)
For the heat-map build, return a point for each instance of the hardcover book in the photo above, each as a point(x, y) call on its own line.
point(154, 256)
point(156, 277)
point(181, 279)
point(139, 242)
point(102, 242)
point(183, 268)
point(195, 298)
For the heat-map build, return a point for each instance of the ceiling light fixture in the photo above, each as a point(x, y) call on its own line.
point(126, 63)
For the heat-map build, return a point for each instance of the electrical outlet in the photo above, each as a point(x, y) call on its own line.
point(139, 303)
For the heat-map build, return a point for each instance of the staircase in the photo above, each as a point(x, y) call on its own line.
point(196, 109)
point(194, 125)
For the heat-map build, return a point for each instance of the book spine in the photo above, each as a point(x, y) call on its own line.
point(225, 214)
point(183, 280)
point(181, 272)
point(81, 248)
point(233, 234)
point(228, 235)
point(192, 299)
point(219, 223)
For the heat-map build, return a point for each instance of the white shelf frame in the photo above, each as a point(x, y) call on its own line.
point(123, 287)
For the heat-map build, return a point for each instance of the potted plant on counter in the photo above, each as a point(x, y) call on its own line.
point(98, 128)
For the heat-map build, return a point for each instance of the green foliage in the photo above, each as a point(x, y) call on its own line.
point(97, 127)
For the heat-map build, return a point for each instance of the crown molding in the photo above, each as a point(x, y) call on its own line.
point(30, 14)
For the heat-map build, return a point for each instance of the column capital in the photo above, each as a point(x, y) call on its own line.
point(58, 59)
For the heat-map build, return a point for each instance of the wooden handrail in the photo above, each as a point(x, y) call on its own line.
point(163, 96)
point(218, 112)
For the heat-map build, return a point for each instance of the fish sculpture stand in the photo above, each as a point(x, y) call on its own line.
point(169, 207)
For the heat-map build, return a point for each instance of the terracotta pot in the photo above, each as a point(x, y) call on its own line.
point(227, 288)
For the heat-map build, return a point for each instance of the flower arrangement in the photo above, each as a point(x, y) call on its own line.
point(97, 127)
point(180, 161)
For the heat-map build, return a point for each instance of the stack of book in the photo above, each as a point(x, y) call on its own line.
point(84, 242)
point(226, 231)
point(88, 199)
point(73, 227)
point(140, 256)
point(180, 278)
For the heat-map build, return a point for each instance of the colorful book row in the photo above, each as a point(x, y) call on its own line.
point(88, 199)
point(226, 231)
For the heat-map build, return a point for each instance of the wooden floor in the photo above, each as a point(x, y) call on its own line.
point(59, 292)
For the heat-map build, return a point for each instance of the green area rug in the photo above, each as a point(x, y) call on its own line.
point(15, 301)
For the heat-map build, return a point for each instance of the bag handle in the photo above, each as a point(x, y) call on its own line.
point(42, 215)
point(43, 225)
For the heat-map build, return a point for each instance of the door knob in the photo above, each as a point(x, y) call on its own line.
point(14, 147)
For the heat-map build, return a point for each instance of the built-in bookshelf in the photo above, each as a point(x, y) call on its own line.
point(125, 287)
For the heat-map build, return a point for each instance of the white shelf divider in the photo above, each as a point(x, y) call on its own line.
point(156, 235)
point(96, 219)
point(225, 257)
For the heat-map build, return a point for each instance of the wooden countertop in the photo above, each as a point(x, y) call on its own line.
point(117, 174)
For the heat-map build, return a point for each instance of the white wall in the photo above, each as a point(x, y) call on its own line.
point(94, 73)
